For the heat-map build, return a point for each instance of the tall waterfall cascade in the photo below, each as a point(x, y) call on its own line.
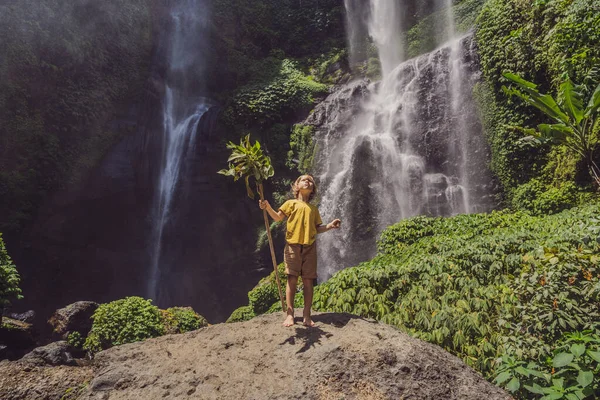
point(410, 144)
point(183, 108)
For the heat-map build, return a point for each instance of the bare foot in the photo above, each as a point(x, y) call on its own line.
point(289, 321)
point(308, 322)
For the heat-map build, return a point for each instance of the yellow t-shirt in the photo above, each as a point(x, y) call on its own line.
point(303, 219)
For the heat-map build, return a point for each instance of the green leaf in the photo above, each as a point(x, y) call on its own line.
point(552, 396)
point(537, 389)
point(569, 99)
point(543, 102)
point(519, 81)
point(562, 359)
point(577, 349)
point(522, 371)
point(594, 354)
point(594, 103)
point(585, 378)
point(513, 385)
point(558, 383)
point(502, 377)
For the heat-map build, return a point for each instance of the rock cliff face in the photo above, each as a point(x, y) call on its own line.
point(344, 356)
point(93, 243)
point(408, 145)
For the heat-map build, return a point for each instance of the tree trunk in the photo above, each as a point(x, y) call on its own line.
point(283, 307)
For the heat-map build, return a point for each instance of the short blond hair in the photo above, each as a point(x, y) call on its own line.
point(296, 189)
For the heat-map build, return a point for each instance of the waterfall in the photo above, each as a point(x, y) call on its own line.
point(410, 144)
point(183, 108)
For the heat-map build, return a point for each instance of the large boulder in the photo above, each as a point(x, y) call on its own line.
point(343, 356)
point(75, 317)
point(57, 353)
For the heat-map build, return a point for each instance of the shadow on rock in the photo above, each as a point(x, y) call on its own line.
point(309, 336)
point(338, 320)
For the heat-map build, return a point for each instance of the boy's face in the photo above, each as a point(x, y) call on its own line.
point(306, 183)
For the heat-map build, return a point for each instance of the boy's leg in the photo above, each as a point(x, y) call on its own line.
point(290, 294)
point(308, 298)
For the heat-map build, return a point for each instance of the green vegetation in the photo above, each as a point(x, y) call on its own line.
point(274, 59)
point(482, 286)
point(431, 31)
point(539, 198)
point(303, 149)
point(75, 340)
point(9, 279)
point(133, 319)
point(181, 320)
point(278, 93)
point(544, 42)
point(248, 161)
point(573, 372)
point(574, 118)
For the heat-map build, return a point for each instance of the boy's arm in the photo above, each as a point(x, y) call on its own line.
point(335, 224)
point(276, 215)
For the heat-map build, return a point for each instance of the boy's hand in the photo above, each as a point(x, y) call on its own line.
point(335, 224)
point(264, 204)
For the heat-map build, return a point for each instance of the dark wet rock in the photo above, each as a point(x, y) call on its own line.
point(75, 317)
point(27, 316)
point(57, 353)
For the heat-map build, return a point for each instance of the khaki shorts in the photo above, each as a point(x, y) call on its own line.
point(301, 260)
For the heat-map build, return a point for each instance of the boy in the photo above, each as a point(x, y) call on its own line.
point(300, 253)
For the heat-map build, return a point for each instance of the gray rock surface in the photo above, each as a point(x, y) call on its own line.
point(342, 357)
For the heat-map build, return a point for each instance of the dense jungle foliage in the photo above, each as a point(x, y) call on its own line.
point(499, 290)
point(543, 42)
point(277, 59)
point(69, 74)
point(514, 294)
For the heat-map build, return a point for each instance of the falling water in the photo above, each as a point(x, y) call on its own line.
point(412, 144)
point(182, 110)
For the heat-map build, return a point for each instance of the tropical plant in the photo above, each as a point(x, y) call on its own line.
point(9, 279)
point(248, 161)
point(181, 320)
point(123, 321)
point(574, 122)
point(573, 373)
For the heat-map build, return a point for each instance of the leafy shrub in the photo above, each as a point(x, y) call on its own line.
point(75, 340)
point(9, 279)
point(281, 90)
point(264, 298)
point(480, 285)
point(243, 313)
point(539, 198)
point(572, 373)
point(303, 149)
point(181, 320)
point(124, 321)
point(266, 293)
